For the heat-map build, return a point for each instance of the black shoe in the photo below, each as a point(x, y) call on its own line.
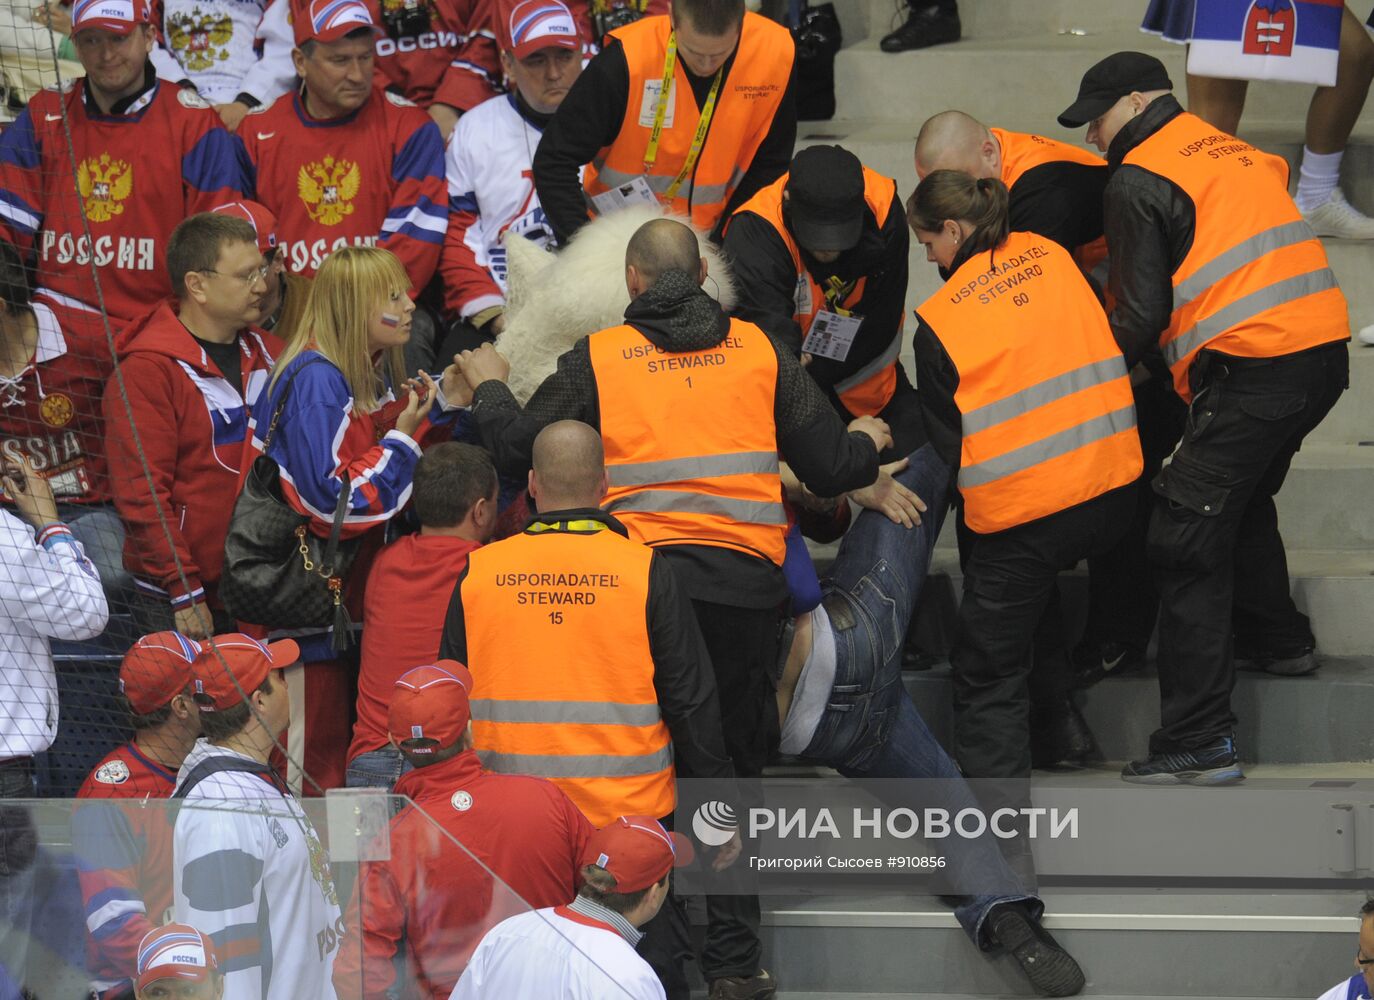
point(925, 26)
point(1051, 970)
point(1216, 764)
point(1299, 664)
point(1092, 661)
point(759, 986)
point(1063, 737)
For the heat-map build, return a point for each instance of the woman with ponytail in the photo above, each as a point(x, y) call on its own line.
point(1027, 396)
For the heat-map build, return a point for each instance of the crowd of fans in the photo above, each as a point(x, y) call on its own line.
point(274, 237)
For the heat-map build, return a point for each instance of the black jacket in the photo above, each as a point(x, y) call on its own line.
point(589, 120)
point(683, 678)
point(1061, 200)
point(676, 315)
point(1149, 223)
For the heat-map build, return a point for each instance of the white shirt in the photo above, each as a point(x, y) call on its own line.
point(1349, 989)
point(248, 864)
point(556, 953)
point(813, 686)
point(47, 591)
point(490, 162)
point(226, 47)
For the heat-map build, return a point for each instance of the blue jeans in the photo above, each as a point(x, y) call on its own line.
point(870, 728)
point(378, 768)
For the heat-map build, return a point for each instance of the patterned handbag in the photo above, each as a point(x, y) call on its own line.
point(277, 573)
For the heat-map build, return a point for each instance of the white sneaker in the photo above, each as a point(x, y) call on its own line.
point(1366, 336)
point(1337, 217)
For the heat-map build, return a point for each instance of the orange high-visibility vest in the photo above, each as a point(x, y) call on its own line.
point(866, 391)
point(691, 442)
point(1023, 151)
point(1255, 282)
point(749, 97)
point(1046, 405)
point(563, 677)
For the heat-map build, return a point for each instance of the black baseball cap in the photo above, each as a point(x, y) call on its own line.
point(825, 198)
point(1110, 80)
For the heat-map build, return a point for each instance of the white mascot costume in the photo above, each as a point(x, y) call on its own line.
point(553, 300)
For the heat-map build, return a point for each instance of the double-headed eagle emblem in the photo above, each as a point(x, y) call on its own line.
point(104, 183)
point(199, 40)
point(328, 188)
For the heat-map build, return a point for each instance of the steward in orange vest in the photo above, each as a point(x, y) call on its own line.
point(1027, 396)
point(1212, 261)
point(725, 130)
point(820, 262)
point(585, 654)
point(1055, 188)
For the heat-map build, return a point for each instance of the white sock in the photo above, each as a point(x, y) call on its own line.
point(1317, 177)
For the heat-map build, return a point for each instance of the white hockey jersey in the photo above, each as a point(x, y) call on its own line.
point(249, 870)
point(227, 47)
point(491, 190)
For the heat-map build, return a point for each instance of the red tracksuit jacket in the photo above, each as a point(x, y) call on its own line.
point(191, 428)
point(431, 900)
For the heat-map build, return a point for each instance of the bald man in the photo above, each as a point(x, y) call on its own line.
point(569, 619)
point(695, 409)
point(1056, 189)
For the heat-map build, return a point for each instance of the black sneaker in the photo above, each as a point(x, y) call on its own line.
point(759, 986)
point(1051, 970)
point(1299, 665)
point(1093, 661)
point(1060, 737)
point(1217, 764)
point(925, 26)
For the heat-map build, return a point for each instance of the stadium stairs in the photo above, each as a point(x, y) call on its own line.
point(1018, 66)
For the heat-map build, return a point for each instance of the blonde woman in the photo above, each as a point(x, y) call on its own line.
point(339, 419)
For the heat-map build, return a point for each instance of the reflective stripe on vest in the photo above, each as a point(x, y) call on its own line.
point(691, 444)
point(1023, 151)
point(869, 388)
point(1047, 414)
point(563, 675)
point(1255, 282)
point(750, 96)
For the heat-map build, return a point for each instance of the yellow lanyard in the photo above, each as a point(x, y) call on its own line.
point(661, 111)
point(836, 291)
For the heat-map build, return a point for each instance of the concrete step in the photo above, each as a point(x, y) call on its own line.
point(1011, 80)
point(1282, 720)
point(1136, 944)
point(997, 18)
point(1335, 588)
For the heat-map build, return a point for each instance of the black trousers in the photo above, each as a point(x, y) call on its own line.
point(1009, 580)
point(1122, 601)
point(1214, 540)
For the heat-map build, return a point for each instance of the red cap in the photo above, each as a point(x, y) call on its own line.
point(249, 662)
point(637, 851)
point(260, 217)
point(540, 24)
point(175, 951)
point(156, 669)
point(430, 703)
point(330, 20)
point(116, 16)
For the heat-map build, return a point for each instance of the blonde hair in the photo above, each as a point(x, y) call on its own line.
point(346, 290)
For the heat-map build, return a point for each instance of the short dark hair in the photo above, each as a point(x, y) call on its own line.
point(449, 479)
point(14, 279)
point(711, 17)
point(153, 719)
point(1368, 909)
point(196, 242)
point(226, 722)
point(598, 885)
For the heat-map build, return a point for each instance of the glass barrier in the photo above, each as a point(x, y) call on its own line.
point(358, 895)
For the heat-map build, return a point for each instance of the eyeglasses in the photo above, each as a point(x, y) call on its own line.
point(1359, 958)
point(249, 278)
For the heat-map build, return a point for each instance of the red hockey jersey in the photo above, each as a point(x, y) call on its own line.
point(375, 176)
point(124, 860)
point(191, 428)
point(50, 412)
point(137, 175)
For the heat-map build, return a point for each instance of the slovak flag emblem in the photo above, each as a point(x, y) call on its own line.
point(1270, 28)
